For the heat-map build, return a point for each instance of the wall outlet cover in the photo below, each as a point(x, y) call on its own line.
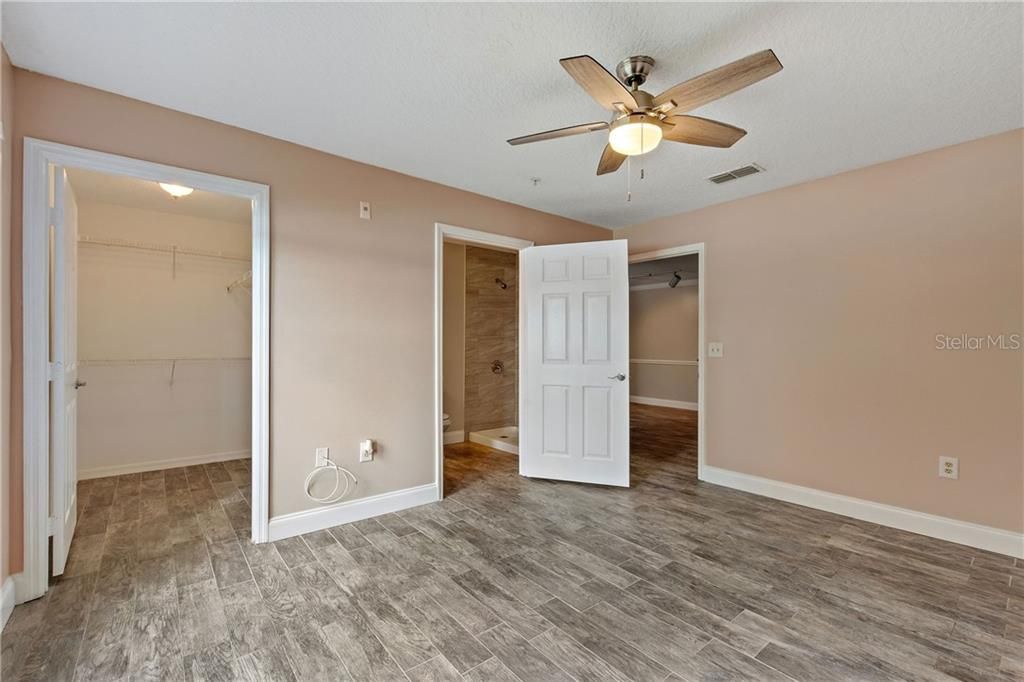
point(366, 449)
point(322, 455)
point(949, 467)
point(716, 349)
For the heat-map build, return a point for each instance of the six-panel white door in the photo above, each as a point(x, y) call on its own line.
point(64, 359)
point(575, 304)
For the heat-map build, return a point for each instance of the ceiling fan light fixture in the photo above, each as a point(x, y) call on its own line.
point(635, 134)
point(176, 191)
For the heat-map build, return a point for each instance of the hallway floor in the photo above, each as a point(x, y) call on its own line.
point(516, 579)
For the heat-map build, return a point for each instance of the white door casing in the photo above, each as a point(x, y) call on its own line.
point(38, 476)
point(575, 302)
point(64, 373)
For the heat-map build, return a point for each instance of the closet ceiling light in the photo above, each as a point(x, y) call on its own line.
point(176, 191)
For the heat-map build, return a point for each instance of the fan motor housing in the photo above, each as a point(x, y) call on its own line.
point(633, 71)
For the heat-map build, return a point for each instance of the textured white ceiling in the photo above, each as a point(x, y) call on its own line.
point(434, 90)
point(121, 190)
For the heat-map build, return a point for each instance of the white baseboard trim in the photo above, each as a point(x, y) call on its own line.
point(961, 532)
point(139, 467)
point(663, 402)
point(6, 601)
point(300, 523)
point(454, 437)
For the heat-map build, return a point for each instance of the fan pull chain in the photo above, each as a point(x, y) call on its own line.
point(629, 179)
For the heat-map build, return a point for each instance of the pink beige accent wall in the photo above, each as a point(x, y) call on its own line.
point(351, 301)
point(831, 378)
point(664, 325)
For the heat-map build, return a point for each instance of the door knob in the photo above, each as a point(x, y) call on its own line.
point(619, 377)
point(79, 384)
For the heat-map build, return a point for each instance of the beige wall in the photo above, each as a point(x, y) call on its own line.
point(663, 325)
point(351, 300)
point(7, 472)
point(131, 307)
point(492, 332)
point(454, 342)
point(833, 381)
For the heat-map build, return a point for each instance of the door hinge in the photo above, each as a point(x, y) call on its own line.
point(51, 523)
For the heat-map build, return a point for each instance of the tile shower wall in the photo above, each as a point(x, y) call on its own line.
point(491, 335)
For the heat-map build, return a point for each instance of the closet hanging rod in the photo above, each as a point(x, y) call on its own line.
point(160, 248)
point(145, 361)
point(245, 281)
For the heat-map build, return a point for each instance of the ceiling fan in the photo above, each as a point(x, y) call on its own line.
point(641, 121)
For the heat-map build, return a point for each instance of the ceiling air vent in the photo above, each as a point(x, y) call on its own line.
point(736, 174)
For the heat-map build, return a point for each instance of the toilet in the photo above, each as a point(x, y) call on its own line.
point(446, 421)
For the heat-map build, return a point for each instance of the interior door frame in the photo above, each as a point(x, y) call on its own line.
point(490, 240)
point(39, 156)
point(702, 368)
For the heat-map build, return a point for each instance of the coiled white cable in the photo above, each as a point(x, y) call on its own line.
point(340, 474)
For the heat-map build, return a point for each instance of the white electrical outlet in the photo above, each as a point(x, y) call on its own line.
point(366, 449)
point(716, 349)
point(364, 210)
point(949, 467)
point(322, 455)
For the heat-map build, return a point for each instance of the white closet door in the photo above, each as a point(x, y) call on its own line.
point(64, 359)
point(576, 388)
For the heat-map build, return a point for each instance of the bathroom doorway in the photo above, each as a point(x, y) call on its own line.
point(481, 392)
point(479, 354)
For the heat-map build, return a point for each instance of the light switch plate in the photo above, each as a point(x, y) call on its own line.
point(716, 349)
point(364, 210)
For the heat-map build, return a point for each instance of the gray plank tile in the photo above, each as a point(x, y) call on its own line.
point(294, 552)
point(608, 647)
point(356, 644)
point(526, 662)
point(437, 669)
point(453, 641)
point(155, 636)
point(229, 564)
point(192, 562)
point(266, 665)
point(311, 657)
point(157, 583)
point(491, 670)
point(281, 594)
point(108, 662)
point(203, 621)
point(250, 624)
point(513, 612)
point(215, 664)
point(574, 658)
point(406, 643)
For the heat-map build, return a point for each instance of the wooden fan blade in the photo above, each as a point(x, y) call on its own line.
point(610, 160)
point(605, 88)
point(720, 82)
point(702, 131)
point(560, 132)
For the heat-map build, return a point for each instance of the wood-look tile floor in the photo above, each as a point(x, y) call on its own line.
point(515, 579)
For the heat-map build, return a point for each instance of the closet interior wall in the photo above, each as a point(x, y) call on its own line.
point(164, 339)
